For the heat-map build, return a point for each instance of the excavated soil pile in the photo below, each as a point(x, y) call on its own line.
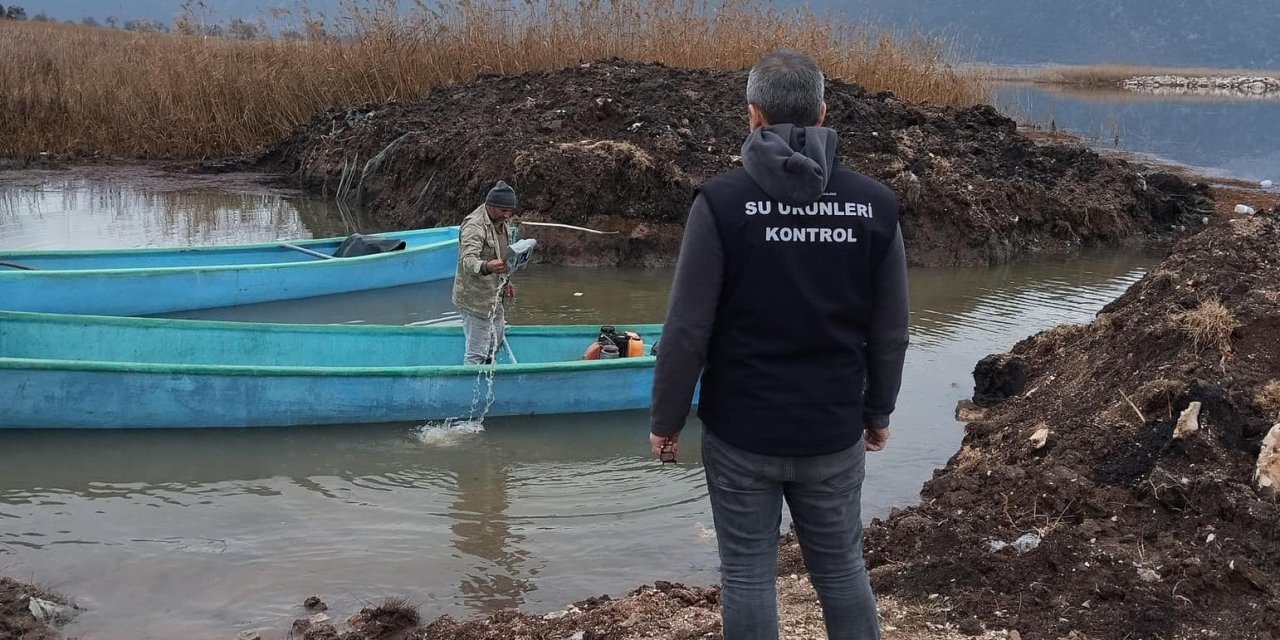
point(1090, 497)
point(620, 147)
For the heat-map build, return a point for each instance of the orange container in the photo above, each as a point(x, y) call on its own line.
point(635, 346)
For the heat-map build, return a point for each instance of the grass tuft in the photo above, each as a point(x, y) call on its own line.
point(1209, 324)
point(1268, 399)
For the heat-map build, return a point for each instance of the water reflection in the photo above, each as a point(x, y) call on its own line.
point(89, 208)
point(482, 529)
point(1227, 136)
point(273, 514)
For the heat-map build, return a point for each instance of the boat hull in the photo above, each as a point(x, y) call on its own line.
point(87, 399)
point(147, 282)
point(99, 372)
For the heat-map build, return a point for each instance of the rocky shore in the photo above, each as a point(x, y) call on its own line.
point(1227, 86)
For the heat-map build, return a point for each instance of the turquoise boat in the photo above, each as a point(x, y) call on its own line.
point(100, 372)
point(136, 282)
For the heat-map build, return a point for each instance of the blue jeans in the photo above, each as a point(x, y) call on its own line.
point(825, 497)
point(483, 336)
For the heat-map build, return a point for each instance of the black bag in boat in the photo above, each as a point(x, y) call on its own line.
point(358, 244)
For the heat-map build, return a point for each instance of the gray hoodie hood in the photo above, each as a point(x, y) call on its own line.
point(792, 164)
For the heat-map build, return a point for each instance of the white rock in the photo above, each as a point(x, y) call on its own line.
point(1039, 438)
point(319, 618)
point(1027, 542)
point(1268, 473)
point(49, 612)
point(1245, 210)
point(577, 294)
point(967, 411)
point(1148, 575)
point(1267, 184)
point(249, 635)
point(1188, 422)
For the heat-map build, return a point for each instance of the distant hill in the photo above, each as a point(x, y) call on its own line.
point(1214, 33)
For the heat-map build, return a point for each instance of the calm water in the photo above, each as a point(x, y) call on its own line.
point(1238, 137)
point(201, 534)
point(92, 207)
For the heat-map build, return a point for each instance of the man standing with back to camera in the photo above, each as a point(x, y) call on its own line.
point(790, 301)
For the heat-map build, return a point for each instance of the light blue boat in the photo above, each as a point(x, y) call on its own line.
point(163, 280)
point(60, 371)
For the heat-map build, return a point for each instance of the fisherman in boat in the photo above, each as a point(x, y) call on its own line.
point(481, 287)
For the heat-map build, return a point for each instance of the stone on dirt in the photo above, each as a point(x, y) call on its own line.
point(1268, 473)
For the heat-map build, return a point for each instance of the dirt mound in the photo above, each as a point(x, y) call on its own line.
point(621, 146)
point(1116, 496)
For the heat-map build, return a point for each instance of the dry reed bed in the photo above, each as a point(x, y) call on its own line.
point(76, 90)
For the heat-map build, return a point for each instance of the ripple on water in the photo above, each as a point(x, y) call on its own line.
point(1003, 312)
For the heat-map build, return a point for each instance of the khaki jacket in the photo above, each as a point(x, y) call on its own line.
point(479, 241)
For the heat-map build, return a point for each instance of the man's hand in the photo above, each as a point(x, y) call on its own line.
point(664, 448)
point(509, 292)
point(494, 266)
point(877, 439)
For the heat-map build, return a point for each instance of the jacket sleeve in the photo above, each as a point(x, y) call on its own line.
point(470, 244)
point(691, 313)
point(888, 335)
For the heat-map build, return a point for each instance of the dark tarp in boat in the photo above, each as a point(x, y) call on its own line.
point(358, 244)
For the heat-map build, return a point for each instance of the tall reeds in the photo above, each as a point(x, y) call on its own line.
point(81, 90)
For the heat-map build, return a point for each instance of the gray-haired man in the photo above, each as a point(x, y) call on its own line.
point(790, 300)
point(479, 288)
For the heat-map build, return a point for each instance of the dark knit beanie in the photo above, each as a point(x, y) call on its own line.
point(502, 195)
